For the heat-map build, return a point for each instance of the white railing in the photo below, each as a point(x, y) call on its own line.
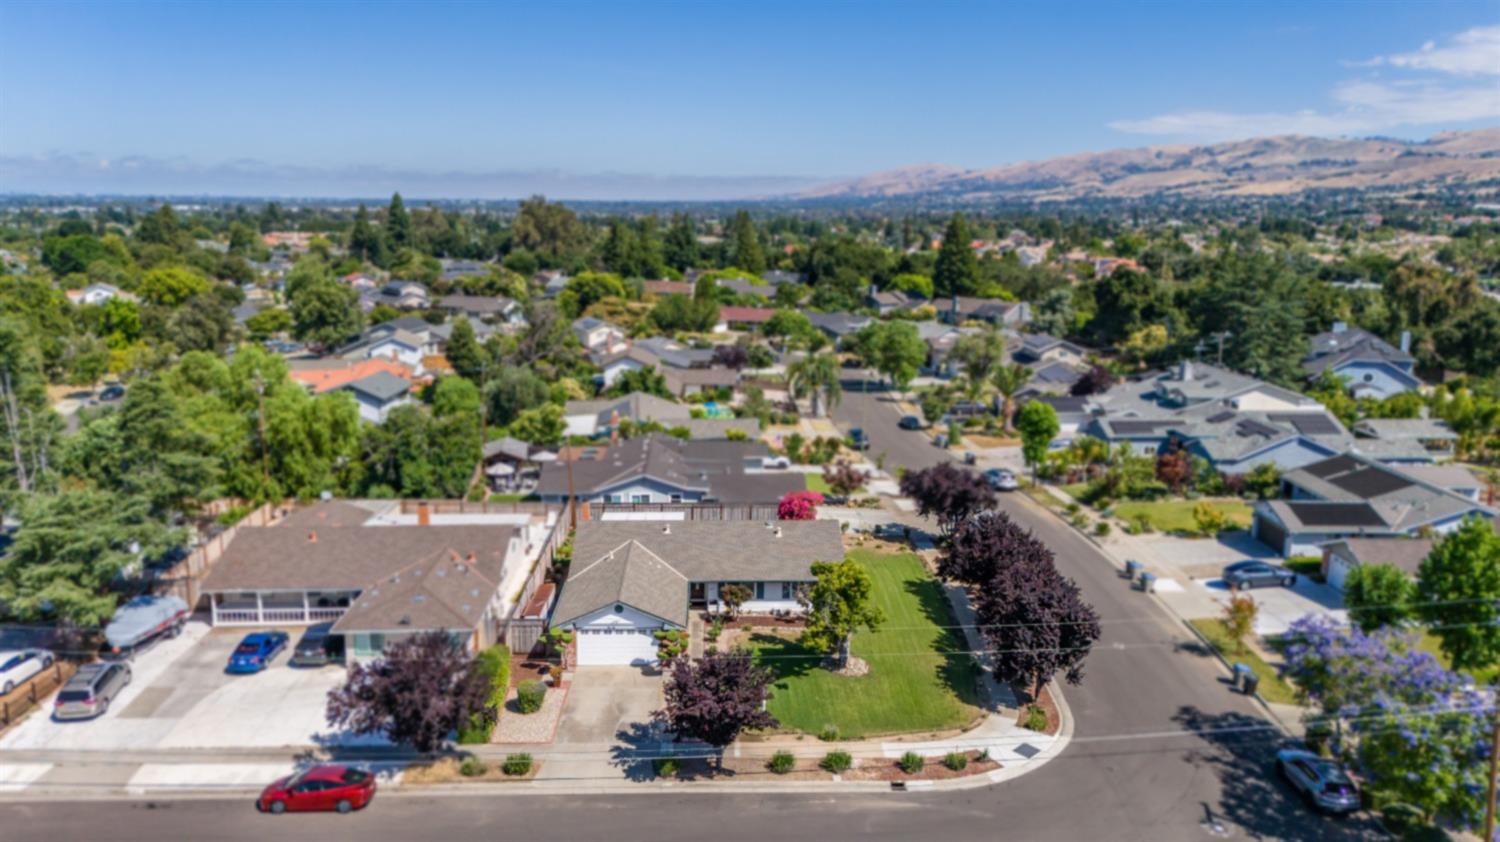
point(320, 614)
point(283, 615)
point(270, 616)
point(236, 616)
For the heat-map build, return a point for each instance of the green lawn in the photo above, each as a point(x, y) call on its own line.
point(912, 685)
point(1075, 490)
point(1429, 642)
point(1272, 688)
point(1177, 515)
point(815, 482)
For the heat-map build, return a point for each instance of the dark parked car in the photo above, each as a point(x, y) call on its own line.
point(256, 651)
point(318, 648)
point(910, 422)
point(892, 531)
point(332, 787)
point(112, 392)
point(1322, 781)
point(1256, 574)
point(89, 692)
point(858, 440)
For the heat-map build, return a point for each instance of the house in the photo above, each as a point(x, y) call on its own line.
point(511, 464)
point(630, 579)
point(494, 309)
point(941, 338)
point(746, 287)
point(893, 301)
point(1434, 436)
point(683, 382)
point(601, 417)
point(657, 468)
point(1369, 364)
point(452, 270)
point(779, 277)
point(552, 281)
point(326, 374)
point(404, 346)
point(1036, 348)
point(598, 336)
point(657, 352)
point(1354, 496)
point(665, 288)
point(742, 318)
point(836, 326)
point(378, 573)
point(1000, 313)
point(379, 393)
point(97, 294)
point(1106, 266)
point(1341, 557)
point(402, 295)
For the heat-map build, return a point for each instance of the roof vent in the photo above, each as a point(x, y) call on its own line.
point(404, 621)
point(312, 537)
point(419, 599)
point(777, 532)
point(474, 592)
point(666, 529)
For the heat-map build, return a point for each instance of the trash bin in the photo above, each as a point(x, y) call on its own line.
point(1148, 582)
point(1250, 682)
point(1242, 673)
point(1132, 570)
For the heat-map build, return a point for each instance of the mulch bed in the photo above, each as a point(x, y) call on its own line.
point(445, 771)
point(865, 769)
point(1045, 702)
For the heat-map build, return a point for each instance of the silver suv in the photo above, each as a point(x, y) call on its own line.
point(89, 692)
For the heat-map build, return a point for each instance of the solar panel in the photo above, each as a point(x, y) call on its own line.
point(1336, 514)
point(1369, 483)
point(1255, 428)
point(1222, 417)
point(1308, 423)
point(1136, 428)
point(1336, 465)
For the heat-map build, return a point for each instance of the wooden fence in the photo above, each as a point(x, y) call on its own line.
point(520, 632)
point(486, 507)
point(184, 577)
point(34, 691)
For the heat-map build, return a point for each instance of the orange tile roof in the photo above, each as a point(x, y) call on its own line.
point(327, 379)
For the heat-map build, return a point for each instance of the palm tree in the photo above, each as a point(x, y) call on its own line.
point(1009, 379)
point(979, 354)
point(816, 376)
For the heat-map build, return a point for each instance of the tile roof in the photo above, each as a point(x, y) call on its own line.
point(329, 373)
point(749, 315)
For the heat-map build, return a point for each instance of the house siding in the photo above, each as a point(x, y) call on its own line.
point(1376, 379)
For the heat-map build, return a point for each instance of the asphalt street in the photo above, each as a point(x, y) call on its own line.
point(1162, 750)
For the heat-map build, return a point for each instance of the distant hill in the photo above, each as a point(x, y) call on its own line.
point(1268, 166)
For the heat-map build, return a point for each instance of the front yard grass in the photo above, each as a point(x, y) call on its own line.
point(916, 682)
point(1430, 642)
point(815, 482)
point(1177, 515)
point(1272, 688)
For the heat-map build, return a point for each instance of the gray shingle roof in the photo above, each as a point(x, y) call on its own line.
point(383, 386)
point(713, 468)
point(1334, 348)
point(648, 565)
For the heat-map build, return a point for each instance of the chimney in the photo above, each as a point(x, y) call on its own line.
point(424, 514)
point(471, 558)
point(312, 537)
point(1406, 342)
point(1340, 327)
point(1185, 371)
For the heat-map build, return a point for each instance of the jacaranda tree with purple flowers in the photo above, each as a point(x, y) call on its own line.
point(1421, 731)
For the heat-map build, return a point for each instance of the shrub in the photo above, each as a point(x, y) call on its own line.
point(911, 763)
point(1101, 528)
point(476, 732)
point(984, 756)
point(516, 765)
point(1210, 520)
point(530, 695)
point(836, 762)
point(782, 762)
point(829, 733)
point(955, 761)
point(1071, 508)
point(1036, 718)
point(494, 664)
point(666, 767)
point(472, 767)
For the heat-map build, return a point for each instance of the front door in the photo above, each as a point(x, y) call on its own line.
point(697, 594)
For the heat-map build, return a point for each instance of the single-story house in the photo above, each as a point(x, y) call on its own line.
point(1372, 367)
point(1039, 348)
point(552, 281)
point(402, 295)
point(487, 308)
point(630, 579)
point(1341, 557)
point(1000, 313)
point(1433, 434)
point(657, 468)
point(1354, 496)
point(98, 293)
point(599, 336)
point(839, 325)
point(324, 374)
point(378, 578)
point(742, 318)
point(663, 288)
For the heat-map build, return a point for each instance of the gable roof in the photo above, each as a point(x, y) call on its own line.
point(636, 406)
point(1338, 347)
point(747, 315)
point(381, 386)
point(445, 591)
point(1354, 491)
point(1406, 554)
point(714, 469)
point(329, 373)
point(650, 564)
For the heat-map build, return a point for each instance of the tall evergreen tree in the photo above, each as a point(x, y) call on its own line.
point(680, 249)
point(364, 241)
point(957, 270)
point(464, 352)
point(620, 252)
point(398, 223)
point(746, 253)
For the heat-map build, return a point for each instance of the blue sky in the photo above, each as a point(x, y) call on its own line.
point(692, 100)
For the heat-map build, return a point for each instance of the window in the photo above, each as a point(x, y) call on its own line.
point(1369, 378)
point(614, 498)
point(640, 498)
point(786, 590)
point(676, 498)
point(760, 590)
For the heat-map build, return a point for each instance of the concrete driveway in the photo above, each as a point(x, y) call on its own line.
point(606, 704)
point(181, 698)
point(1280, 607)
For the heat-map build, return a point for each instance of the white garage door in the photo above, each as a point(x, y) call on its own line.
point(616, 646)
point(1338, 572)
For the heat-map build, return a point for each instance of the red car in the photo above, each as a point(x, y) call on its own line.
point(341, 788)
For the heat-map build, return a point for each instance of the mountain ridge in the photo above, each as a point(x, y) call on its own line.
point(1277, 165)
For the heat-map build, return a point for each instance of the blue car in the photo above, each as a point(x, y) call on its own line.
point(256, 651)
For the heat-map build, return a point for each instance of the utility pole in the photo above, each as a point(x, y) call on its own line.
point(1489, 799)
point(1221, 336)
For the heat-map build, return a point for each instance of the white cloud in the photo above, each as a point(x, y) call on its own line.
point(1458, 94)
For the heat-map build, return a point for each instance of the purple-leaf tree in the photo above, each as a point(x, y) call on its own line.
point(986, 542)
point(731, 356)
point(799, 505)
point(1095, 381)
point(1037, 624)
point(423, 689)
point(948, 493)
point(715, 699)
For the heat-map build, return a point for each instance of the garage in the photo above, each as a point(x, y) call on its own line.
point(1270, 532)
point(616, 645)
point(1338, 571)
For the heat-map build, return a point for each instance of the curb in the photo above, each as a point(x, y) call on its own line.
point(1197, 635)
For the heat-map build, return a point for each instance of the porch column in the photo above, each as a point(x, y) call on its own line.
point(260, 608)
point(213, 609)
point(306, 609)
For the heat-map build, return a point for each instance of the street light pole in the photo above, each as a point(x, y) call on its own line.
point(1489, 799)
